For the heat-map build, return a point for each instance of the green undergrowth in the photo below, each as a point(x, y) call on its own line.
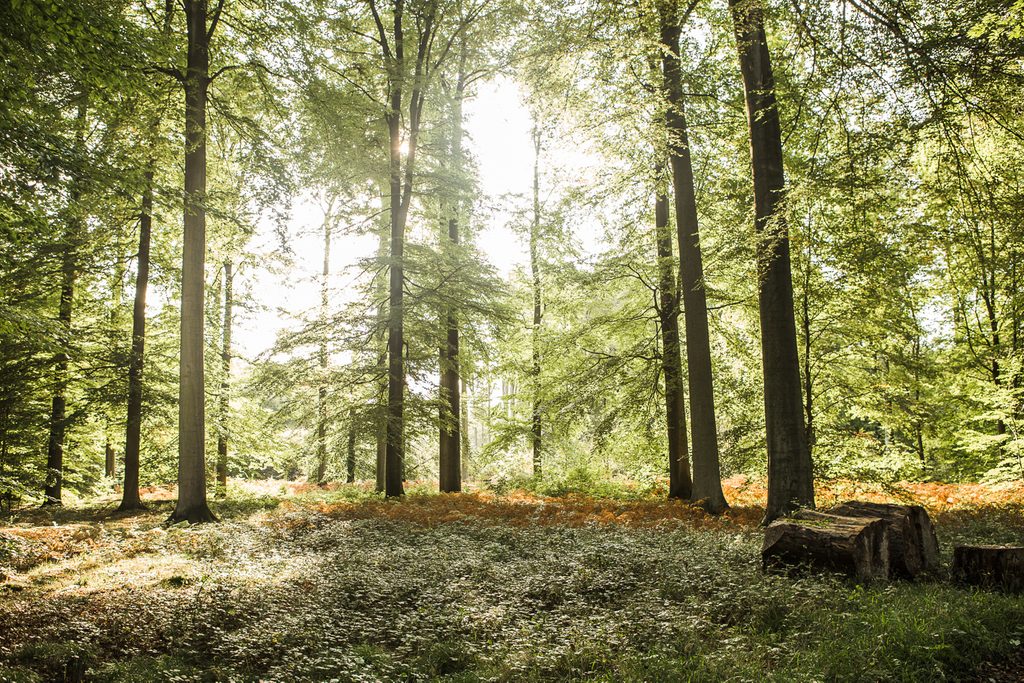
point(579, 482)
point(296, 596)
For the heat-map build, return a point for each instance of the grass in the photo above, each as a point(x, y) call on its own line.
point(302, 584)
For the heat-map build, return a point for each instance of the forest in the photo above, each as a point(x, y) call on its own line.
point(511, 340)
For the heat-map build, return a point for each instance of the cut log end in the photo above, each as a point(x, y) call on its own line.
point(997, 567)
point(913, 549)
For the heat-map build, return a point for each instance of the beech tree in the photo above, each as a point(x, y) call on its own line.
point(537, 289)
point(707, 478)
point(70, 266)
point(192, 506)
point(790, 474)
point(680, 485)
point(224, 404)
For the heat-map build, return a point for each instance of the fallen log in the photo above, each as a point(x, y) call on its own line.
point(913, 548)
point(857, 546)
point(990, 566)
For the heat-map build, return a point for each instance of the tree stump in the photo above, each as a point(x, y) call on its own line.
point(913, 548)
point(990, 566)
point(857, 546)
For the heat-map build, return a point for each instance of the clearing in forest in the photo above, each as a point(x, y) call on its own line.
point(342, 585)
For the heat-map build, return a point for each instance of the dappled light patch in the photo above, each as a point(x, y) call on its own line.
point(340, 583)
point(522, 509)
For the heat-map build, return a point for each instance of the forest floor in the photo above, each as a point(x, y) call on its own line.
point(301, 584)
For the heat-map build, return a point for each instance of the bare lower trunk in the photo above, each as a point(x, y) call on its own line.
point(450, 460)
point(400, 185)
point(394, 449)
point(225, 386)
point(382, 441)
point(396, 332)
point(350, 455)
point(464, 430)
point(808, 377)
point(707, 478)
point(536, 425)
point(192, 503)
point(450, 441)
point(69, 273)
point(790, 474)
point(321, 402)
point(130, 499)
point(680, 485)
point(109, 460)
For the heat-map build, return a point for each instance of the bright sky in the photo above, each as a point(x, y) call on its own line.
point(498, 135)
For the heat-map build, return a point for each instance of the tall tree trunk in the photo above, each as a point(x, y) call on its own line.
point(69, 273)
point(6, 494)
point(707, 476)
point(117, 296)
point(805, 322)
point(223, 428)
point(536, 426)
point(380, 410)
point(680, 485)
point(450, 460)
point(321, 405)
point(394, 453)
point(464, 428)
point(989, 294)
point(130, 499)
point(192, 503)
point(382, 444)
point(1015, 324)
point(109, 460)
point(396, 330)
point(400, 183)
point(350, 455)
point(790, 473)
point(58, 410)
point(918, 422)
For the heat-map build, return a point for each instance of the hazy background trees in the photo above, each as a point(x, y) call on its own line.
point(901, 149)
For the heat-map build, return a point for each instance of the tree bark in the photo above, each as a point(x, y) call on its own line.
point(130, 499)
point(913, 548)
point(350, 456)
point(805, 324)
point(400, 184)
point(680, 485)
point(450, 456)
point(990, 566)
point(396, 368)
point(536, 420)
point(380, 409)
point(192, 502)
point(382, 443)
point(225, 384)
point(69, 274)
point(707, 477)
point(852, 545)
point(790, 472)
point(321, 404)
point(464, 428)
point(109, 460)
point(400, 195)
